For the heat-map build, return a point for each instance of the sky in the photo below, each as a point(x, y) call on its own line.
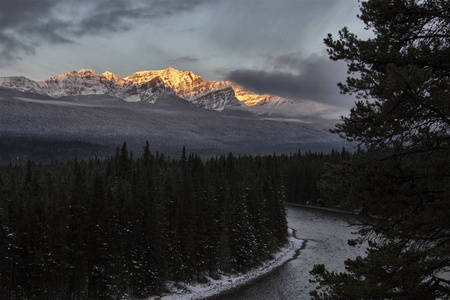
point(269, 46)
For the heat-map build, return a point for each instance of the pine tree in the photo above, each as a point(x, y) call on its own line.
point(77, 233)
point(399, 185)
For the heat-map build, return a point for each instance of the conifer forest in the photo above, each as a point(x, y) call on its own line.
point(121, 227)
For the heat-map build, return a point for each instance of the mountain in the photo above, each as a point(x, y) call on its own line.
point(145, 86)
point(21, 84)
point(87, 82)
point(73, 83)
point(214, 95)
point(80, 111)
point(149, 86)
point(288, 110)
point(248, 97)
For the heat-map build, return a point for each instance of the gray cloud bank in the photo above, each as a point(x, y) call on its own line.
point(296, 77)
point(25, 25)
point(183, 59)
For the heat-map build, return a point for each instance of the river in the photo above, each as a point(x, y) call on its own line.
point(326, 234)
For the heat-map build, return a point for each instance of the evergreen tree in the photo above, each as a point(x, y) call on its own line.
point(399, 185)
point(77, 232)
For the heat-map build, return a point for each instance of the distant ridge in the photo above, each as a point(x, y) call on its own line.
point(169, 108)
point(145, 86)
point(154, 85)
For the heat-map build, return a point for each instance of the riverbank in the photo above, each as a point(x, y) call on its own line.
point(186, 291)
point(304, 206)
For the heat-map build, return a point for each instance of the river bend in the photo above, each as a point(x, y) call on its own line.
point(326, 234)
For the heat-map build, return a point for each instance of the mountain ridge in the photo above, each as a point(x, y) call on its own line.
point(105, 110)
point(144, 85)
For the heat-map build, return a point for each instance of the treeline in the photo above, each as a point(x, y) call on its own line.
point(300, 173)
point(19, 149)
point(121, 227)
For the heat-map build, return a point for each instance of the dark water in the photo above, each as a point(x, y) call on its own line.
point(326, 234)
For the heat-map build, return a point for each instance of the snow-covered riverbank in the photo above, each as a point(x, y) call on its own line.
point(192, 291)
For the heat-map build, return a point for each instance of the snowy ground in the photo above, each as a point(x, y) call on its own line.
point(227, 282)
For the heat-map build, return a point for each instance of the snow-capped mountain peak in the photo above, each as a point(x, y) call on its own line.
point(73, 83)
point(87, 73)
point(191, 87)
point(20, 83)
point(114, 78)
point(248, 97)
point(147, 86)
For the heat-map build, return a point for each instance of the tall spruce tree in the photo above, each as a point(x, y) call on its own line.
point(400, 184)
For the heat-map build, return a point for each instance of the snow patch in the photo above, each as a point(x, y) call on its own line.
point(57, 102)
point(180, 290)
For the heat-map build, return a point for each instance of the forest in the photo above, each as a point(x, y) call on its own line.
point(123, 226)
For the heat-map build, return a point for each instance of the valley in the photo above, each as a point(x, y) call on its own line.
point(169, 108)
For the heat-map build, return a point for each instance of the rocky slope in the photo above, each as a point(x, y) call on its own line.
point(248, 97)
point(21, 84)
point(206, 94)
point(87, 82)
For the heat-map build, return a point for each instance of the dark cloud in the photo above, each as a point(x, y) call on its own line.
point(25, 25)
point(291, 76)
point(19, 19)
point(182, 60)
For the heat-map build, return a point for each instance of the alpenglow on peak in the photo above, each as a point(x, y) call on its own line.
point(142, 86)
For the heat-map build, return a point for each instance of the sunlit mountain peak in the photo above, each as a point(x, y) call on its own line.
point(87, 72)
point(248, 97)
point(114, 78)
point(185, 84)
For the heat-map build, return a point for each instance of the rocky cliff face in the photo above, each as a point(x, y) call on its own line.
point(87, 82)
point(250, 98)
point(217, 100)
point(206, 94)
point(73, 83)
point(20, 83)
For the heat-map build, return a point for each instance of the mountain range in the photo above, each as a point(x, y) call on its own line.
point(169, 107)
point(145, 86)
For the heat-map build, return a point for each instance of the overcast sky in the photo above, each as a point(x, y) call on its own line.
point(273, 46)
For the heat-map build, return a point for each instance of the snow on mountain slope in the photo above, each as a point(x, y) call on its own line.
point(116, 79)
point(168, 124)
point(248, 97)
point(149, 86)
point(183, 83)
point(87, 82)
point(292, 110)
point(73, 83)
point(316, 114)
point(206, 94)
point(20, 83)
